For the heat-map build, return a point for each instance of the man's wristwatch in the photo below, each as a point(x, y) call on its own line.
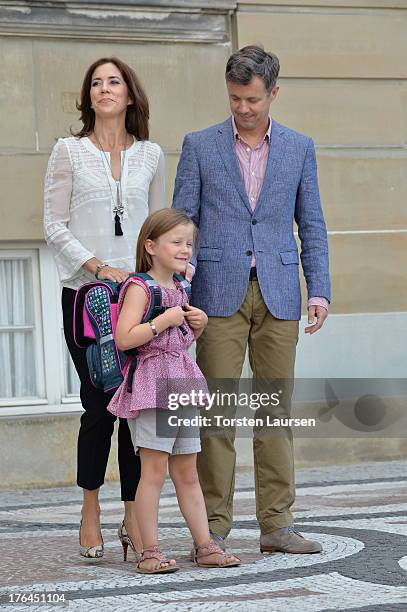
point(99, 267)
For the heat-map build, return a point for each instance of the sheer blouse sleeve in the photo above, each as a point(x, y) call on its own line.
point(68, 252)
point(156, 196)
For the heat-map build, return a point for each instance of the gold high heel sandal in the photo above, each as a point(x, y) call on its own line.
point(126, 541)
point(90, 552)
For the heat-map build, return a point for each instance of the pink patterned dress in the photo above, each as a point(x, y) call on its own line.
point(163, 366)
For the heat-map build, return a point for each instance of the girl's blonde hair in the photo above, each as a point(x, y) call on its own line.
point(157, 224)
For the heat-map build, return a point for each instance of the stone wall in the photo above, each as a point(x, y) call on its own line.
point(343, 81)
point(178, 48)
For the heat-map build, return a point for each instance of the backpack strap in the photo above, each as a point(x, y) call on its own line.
point(184, 284)
point(153, 291)
point(154, 294)
point(131, 372)
point(180, 280)
point(155, 307)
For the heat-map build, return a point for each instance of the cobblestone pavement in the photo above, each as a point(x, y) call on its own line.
point(359, 513)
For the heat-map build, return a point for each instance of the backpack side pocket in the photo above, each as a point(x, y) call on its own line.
point(94, 365)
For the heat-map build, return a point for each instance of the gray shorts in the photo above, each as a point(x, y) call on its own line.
point(175, 436)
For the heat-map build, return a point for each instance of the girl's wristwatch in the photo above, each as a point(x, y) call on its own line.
point(153, 328)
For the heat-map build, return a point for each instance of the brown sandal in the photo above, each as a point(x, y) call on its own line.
point(211, 548)
point(155, 553)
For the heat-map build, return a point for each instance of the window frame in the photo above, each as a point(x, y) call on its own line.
point(47, 337)
point(31, 255)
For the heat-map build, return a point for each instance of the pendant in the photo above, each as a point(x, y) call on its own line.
point(117, 226)
point(118, 210)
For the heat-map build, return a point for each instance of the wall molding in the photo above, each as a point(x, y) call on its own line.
point(124, 21)
point(264, 6)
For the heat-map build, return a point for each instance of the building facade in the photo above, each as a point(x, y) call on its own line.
point(343, 81)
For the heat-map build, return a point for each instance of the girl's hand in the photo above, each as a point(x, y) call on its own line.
point(174, 316)
point(196, 318)
point(117, 275)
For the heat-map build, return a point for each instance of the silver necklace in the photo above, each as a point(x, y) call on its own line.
point(118, 208)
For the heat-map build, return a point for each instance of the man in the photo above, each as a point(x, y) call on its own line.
point(244, 182)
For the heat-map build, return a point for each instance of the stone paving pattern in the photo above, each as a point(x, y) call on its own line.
point(358, 512)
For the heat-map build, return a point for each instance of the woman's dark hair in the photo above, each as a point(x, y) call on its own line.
point(137, 114)
point(253, 61)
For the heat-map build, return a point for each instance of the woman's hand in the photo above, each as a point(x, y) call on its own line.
point(196, 318)
point(117, 275)
point(174, 317)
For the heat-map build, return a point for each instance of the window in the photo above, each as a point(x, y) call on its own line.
point(21, 362)
point(62, 379)
point(71, 378)
point(37, 375)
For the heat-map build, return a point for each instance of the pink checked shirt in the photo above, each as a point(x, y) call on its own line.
point(253, 163)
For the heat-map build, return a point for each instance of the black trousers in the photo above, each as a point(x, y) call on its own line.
point(97, 423)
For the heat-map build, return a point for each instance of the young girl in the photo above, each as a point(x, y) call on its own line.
point(164, 247)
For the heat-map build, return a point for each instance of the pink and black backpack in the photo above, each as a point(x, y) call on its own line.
point(95, 320)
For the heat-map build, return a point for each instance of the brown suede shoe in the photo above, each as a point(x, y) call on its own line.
point(288, 540)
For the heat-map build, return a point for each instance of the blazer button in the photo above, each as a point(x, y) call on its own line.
point(254, 221)
point(249, 252)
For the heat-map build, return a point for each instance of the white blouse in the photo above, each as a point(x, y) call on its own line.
point(80, 195)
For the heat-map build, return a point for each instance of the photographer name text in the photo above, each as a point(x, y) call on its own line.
point(221, 421)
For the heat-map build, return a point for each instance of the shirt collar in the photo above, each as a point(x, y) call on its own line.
point(236, 134)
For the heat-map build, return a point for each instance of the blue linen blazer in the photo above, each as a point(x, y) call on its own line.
point(209, 187)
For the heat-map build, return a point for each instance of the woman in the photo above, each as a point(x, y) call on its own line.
point(100, 186)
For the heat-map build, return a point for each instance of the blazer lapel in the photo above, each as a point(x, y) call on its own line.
point(274, 160)
point(226, 145)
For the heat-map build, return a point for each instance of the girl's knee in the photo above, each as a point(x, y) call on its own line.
point(153, 466)
point(155, 479)
point(183, 472)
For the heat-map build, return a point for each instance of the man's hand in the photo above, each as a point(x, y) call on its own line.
point(189, 272)
point(316, 318)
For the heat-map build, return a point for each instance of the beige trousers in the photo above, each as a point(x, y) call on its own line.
point(220, 355)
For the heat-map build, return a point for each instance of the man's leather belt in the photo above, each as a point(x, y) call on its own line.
point(253, 273)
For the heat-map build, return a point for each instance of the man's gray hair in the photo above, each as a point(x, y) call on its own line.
point(253, 61)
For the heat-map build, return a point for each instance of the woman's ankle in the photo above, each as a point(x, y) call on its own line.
point(90, 503)
point(90, 515)
point(130, 516)
point(132, 530)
